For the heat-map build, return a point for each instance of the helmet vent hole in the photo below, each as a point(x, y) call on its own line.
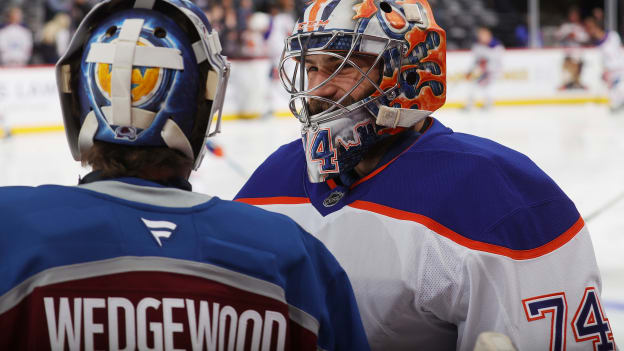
point(159, 32)
point(385, 7)
point(111, 31)
point(411, 78)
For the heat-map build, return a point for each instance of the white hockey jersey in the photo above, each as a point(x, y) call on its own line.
point(452, 235)
point(16, 44)
point(612, 57)
point(488, 61)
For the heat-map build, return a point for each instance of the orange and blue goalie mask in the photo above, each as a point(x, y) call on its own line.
point(403, 42)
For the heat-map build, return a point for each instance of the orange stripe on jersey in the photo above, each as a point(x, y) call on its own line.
point(313, 13)
point(278, 200)
point(469, 243)
point(331, 184)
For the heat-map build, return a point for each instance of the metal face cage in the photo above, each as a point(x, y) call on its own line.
point(341, 45)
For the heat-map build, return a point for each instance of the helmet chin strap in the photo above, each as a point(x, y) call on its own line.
point(394, 117)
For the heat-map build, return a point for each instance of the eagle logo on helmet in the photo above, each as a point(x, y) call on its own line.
point(145, 80)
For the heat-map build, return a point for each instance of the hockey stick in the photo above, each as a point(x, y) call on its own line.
point(605, 207)
point(218, 152)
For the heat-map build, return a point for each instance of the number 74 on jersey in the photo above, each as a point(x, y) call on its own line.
point(589, 322)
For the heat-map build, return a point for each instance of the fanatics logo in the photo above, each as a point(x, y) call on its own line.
point(160, 229)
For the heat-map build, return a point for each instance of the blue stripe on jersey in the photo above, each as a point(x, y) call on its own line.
point(474, 186)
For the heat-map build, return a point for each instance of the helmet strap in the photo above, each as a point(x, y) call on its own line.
point(394, 117)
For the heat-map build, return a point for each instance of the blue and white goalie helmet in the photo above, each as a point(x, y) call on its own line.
point(143, 73)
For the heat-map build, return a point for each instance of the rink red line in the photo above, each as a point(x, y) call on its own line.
point(279, 200)
point(551, 246)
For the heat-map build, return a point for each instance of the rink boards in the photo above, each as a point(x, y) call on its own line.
point(529, 77)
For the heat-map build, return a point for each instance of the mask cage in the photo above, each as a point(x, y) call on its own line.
point(333, 44)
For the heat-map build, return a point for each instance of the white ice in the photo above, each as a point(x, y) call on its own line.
point(580, 147)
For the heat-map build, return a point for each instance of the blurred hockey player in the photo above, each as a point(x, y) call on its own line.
point(253, 38)
point(610, 46)
point(132, 259)
point(444, 235)
point(487, 67)
point(282, 23)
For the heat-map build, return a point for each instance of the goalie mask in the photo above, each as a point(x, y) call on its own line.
point(143, 73)
point(395, 54)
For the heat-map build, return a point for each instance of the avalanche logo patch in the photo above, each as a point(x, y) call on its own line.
point(160, 229)
point(144, 84)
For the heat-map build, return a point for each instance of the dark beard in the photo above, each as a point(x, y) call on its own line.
point(317, 106)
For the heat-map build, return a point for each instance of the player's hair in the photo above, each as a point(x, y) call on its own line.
point(114, 160)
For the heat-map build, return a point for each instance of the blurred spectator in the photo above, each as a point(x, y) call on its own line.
point(244, 10)
point(610, 46)
point(79, 10)
point(203, 4)
point(487, 68)
point(54, 38)
point(230, 37)
point(216, 16)
point(52, 7)
point(572, 33)
point(598, 14)
point(16, 41)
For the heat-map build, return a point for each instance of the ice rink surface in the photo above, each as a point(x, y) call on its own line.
point(580, 147)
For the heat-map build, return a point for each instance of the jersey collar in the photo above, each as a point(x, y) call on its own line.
point(332, 195)
point(178, 183)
